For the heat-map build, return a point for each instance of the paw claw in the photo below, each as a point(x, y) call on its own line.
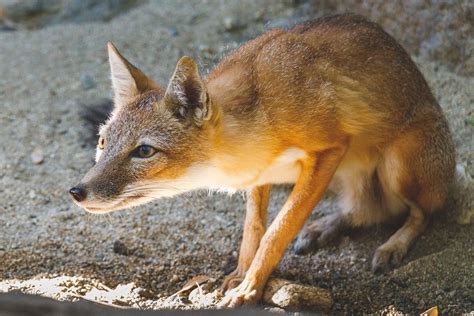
point(380, 261)
point(387, 259)
point(244, 293)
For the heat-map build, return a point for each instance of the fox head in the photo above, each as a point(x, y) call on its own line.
point(150, 140)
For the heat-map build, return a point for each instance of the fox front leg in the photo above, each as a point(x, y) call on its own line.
point(316, 173)
point(254, 228)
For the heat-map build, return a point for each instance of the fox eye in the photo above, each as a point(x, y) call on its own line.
point(145, 151)
point(101, 142)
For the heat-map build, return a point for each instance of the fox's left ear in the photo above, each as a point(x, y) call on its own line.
point(127, 80)
point(186, 94)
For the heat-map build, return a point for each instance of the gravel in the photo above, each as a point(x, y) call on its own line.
point(150, 252)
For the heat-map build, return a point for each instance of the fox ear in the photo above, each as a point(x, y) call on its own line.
point(127, 80)
point(186, 93)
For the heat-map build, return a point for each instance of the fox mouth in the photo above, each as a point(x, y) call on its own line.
point(103, 207)
point(132, 195)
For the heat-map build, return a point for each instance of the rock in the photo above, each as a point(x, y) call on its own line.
point(275, 310)
point(291, 296)
point(37, 156)
point(32, 194)
point(174, 279)
point(230, 24)
point(121, 249)
point(87, 82)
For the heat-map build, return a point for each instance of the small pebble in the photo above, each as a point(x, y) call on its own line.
point(275, 310)
point(37, 156)
point(174, 278)
point(230, 24)
point(353, 259)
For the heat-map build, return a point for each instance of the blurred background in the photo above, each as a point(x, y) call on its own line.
point(439, 30)
point(53, 62)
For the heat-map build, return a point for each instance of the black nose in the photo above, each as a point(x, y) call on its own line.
point(78, 193)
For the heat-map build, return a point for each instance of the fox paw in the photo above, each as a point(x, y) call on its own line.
point(387, 258)
point(245, 293)
point(232, 280)
point(318, 234)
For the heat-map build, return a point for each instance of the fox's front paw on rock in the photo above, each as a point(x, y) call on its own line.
point(246, 293)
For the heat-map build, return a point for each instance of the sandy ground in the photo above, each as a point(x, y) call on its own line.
point(158, 247)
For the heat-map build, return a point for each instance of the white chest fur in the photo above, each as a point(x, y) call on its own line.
point(283, 169)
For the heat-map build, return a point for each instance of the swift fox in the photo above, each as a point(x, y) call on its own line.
point(333, 104)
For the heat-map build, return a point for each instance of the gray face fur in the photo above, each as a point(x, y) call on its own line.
point(172, 124)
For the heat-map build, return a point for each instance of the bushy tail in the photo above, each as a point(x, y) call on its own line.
point(93, 116)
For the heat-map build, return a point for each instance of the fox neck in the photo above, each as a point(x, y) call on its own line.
point(227, 166)
point(239, 146)
point(240, 159)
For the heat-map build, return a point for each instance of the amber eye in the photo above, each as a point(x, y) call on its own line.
point(101, 142)
point(145, 151)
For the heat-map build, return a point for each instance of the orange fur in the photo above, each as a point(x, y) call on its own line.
point(331, 103)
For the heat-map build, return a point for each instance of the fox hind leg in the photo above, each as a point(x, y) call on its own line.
point(419, 168)
point(391, 253)
point(413, 174)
